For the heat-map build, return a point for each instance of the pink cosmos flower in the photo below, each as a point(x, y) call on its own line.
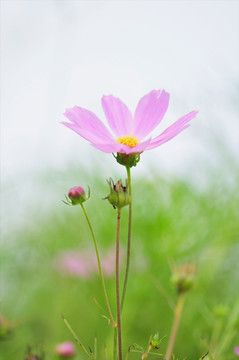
point(129, 131)
point(83, 264)
point(76, 263)
point(65, 349)
point(236, 350)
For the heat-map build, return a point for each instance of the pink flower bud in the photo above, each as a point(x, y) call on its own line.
point(236, 350)
point(65, 349)
point(77, 195)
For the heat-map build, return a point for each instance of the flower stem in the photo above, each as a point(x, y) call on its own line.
point(95, 347)
point(76, 338)
point(174, 331)
point(146, 354)
point(117, 286)
point(129, 240)
point(100, 269)
point(115, 344)
point(215, 337)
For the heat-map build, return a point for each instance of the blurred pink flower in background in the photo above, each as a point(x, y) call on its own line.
point(84, 264)
point(65, 349)
point(108, 263)
point(129, 131)
point(236, 350)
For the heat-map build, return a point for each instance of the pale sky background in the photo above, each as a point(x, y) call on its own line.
point(56, 54)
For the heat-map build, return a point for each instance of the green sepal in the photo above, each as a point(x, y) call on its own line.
point(128, 160)
point(119, 194)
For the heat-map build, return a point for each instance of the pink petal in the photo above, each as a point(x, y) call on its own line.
point(140, 147)
point(89, 122)
point(108, 148)
point(90, 136)
point(118, 115)
point(181, 122)
point(173, 130)
point(120, 148)
point(149, 112)
point(165, 138)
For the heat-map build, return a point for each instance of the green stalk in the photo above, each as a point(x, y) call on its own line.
point(76, 338)
point(115, 344)
point(95, 347)
point(174, 331)
point(100, 269)
point(105, 348)
point(129, 240)
point(118, 287)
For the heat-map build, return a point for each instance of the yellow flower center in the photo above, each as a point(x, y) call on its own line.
point(129, 140)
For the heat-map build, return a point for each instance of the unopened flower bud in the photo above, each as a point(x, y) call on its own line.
point(119, 195)
point(76, 196)
point(65, 349)
point(183, 278)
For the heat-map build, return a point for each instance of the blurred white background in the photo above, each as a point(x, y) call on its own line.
point(60, 53)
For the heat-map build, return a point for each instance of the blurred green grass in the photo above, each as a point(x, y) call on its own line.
point(172, 221)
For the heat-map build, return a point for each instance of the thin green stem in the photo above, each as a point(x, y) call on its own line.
point(174, 331)
point(76, 338)
point(95, 347)
point(100, 269)
point(215, 337)
point(105, 348)
point(117, 286)
point(146, 354)
point(115, 344)
point(129, 240)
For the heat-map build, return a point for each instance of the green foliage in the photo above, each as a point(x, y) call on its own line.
point(172, 222)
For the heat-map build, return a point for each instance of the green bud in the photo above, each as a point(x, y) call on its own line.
point(183, 278)
point(119, 195)
point(127, 159)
